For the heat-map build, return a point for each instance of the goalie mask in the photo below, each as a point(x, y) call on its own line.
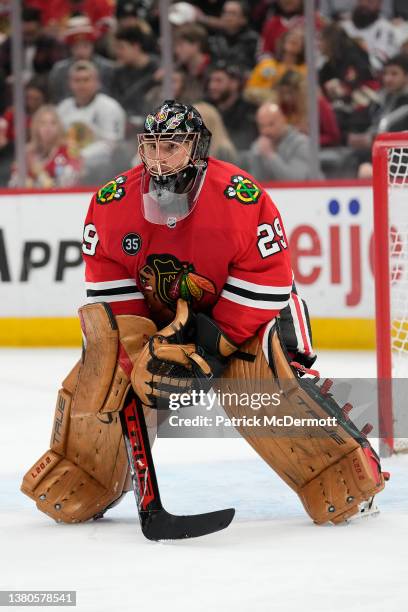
point(174, 151)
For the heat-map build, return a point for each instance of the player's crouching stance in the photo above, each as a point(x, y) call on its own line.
point(194, 247)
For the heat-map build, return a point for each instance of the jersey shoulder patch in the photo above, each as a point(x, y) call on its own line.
point(112, 191)
point(243, 189)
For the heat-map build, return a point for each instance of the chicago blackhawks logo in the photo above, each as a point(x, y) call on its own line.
point(242, 189)
point(164, 279)
point(113, 190)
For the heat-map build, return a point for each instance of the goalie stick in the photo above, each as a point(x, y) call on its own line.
point(156, 522)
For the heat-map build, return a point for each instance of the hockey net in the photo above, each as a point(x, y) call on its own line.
point(390, 183)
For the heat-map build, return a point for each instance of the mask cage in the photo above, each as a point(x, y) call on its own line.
point(158, 162)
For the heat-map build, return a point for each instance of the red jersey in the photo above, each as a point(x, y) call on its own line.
point(59, 11)
point(228, 257)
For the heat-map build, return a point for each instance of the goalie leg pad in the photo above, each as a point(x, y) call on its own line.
point(86, 467)
point(332, 469)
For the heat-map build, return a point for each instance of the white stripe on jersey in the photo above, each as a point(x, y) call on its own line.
point(253, 303)
point(238, 282)
point(115, 298)
point(125, 282)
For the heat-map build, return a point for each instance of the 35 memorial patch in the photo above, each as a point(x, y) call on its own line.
point(113, 190)
point(242, 189)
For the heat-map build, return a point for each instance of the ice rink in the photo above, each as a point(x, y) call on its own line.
point(272, 558)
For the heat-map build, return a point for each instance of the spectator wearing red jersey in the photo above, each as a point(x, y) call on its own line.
point(289, 15)
point(49, 163)
point(292, 99)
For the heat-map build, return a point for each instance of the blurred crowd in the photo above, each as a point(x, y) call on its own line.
point(92, 71)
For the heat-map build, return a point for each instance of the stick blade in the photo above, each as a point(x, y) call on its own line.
point(161, 525)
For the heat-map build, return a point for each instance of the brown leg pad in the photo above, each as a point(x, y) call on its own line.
point(326, 466)
point(86, 467)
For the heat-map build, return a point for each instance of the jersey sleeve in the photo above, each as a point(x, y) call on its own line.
point(260, 277)
point(107, 280)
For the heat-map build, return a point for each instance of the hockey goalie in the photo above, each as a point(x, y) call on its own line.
point(190, 286)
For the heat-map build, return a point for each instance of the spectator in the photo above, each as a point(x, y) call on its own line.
point(94, 122)
point(281, 152)
point(347, 80)
point(374, 32)
point(392, 114)
point(393, 96)
point(236, 43)
point(224, 91)
point(80, 39)
point(40, 51)
point(35, 96)
point(221, 145)
point(292, 99)
point(191, 52)
point(135, 74)
point(289, 15)
point(290, 55)
point(6, 154)
point(49, 163)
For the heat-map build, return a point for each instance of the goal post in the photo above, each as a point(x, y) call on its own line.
point(390, 190)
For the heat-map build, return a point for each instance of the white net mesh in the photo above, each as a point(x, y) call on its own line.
point(398, 226)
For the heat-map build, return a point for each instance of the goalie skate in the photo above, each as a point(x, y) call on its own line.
point(366, 509)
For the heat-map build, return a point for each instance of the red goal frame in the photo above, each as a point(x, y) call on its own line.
point(382, 144)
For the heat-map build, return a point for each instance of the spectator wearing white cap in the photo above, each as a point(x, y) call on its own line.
point(80, 38)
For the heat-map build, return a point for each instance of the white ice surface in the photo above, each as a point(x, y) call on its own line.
point(271, 558)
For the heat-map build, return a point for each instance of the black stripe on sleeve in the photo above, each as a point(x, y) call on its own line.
point(114, 291)
point(260, 297)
